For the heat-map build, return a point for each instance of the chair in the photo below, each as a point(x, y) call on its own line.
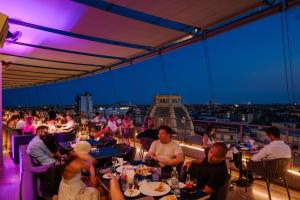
point(28, 183)
point(128, 152)
point(275, 169)
point(107, 141)
point(145, 146)
point(222, 192)
point(16, 141)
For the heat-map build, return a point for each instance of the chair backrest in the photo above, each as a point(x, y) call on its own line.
point(28, 186)
point(16, 141)
point(128, 152)
point(146, 143)
point(275, 168)
point(107, 141)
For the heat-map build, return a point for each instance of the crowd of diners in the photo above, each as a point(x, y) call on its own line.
point(210, 170)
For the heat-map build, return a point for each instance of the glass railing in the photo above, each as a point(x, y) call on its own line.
point(190, 131)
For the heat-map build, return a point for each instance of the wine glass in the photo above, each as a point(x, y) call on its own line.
point(114, 162)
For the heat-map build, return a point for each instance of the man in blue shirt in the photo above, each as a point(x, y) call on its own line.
point(37, 148)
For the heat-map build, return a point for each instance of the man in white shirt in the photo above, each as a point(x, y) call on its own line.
point(166, 151)
point(21, 123)
point(276, 149)
point(70, 125)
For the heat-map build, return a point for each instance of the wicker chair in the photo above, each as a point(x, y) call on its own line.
point(145, 145)
point(275, 169)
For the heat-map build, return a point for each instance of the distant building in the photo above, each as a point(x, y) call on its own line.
point(168, 110)
point(84, 104)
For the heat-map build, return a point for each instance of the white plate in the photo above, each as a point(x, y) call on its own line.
point(107, 176)
point(127, 167)
point(148, 189)
point(171, 196)
point(134, 193)
point(181, 184)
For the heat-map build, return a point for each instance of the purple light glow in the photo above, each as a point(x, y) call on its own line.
point(55, 13)
point(59, 14)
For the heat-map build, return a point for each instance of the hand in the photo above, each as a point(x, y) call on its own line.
point(162, 160)
point(187, 164)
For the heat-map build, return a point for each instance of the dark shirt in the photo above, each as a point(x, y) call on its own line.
point(212, 175)
point(52, 114)
point(149, 133)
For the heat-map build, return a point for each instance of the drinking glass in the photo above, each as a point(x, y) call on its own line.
point(114, 162)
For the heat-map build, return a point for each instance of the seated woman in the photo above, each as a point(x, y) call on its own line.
point(28, 128)
point(73, 188)
point(208, 139)
point(127, 125)
point(51, 123)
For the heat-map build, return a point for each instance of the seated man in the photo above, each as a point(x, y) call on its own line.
point(70, 125)
point(38, 149)
point(276, 149)
point(165, 151)
point(211, 172)
point(149, 130)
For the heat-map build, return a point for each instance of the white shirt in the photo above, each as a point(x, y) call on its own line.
point(274, 150)
point(112, 125)
point(20, 124)
point(69, 125)
point(165, 151)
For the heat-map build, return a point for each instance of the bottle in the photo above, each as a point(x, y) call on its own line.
point(175, 183)
point(123, 180)
point(188, 184)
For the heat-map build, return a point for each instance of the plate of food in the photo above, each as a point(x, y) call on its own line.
point(169, 197)
point(126, 167)
point(155, 189)
point(143, 171)
point(132, 193)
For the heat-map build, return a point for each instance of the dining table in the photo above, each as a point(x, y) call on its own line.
point(245, 151)
point(101, 172)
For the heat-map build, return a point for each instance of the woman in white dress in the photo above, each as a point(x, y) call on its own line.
point(71, 186)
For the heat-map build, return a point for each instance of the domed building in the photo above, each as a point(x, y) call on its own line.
point(168, 110)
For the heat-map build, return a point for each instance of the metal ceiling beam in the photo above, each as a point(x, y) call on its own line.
point(25, 71)
point(265, 10)
point(55, 61)
point(80, 36)
point(28, 78)
point(69, 51)
point(29, 75)
point(51, 68)
point(137, 15)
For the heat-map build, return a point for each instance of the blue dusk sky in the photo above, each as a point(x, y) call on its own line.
point(246, 64)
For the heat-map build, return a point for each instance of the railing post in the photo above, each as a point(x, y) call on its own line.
point(241, 133)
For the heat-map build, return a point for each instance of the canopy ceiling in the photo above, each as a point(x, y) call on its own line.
point(64, 39)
